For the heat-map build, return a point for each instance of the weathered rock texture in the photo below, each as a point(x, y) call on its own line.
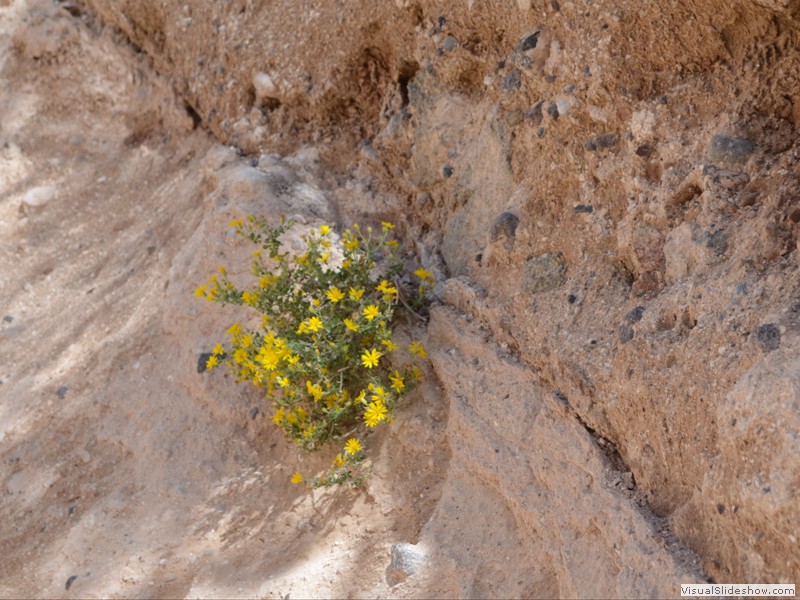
point(605, 190)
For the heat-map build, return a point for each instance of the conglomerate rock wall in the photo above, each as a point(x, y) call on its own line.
point(608, 188)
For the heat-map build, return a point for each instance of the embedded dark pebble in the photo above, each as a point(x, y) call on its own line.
point(8, 319)
point(720, 508)
point(447, 171)
point(511, 81)
point(550, 79)
point(528, 42)
point(603, 141)
point(62, 391)
point(450, 43)
point(625, 333)
point(539, 131)
point(635, 315)
point(662, 99)
point(556, 6)
point(552, 110)
point(439, 52)
point(70, 581)
point(583, 208)
point(730, 149)
point(644, 150)
point(501, 64)
point(504, 226)
point(534, 113)
point(254, 412)
point(572, 298)
point(717, 241)
point(769, 336)
point(441, 21)
point(253, 162)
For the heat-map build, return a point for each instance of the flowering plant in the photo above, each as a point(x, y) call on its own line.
point(324, 341)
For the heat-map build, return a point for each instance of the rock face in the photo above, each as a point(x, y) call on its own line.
point(606, 192)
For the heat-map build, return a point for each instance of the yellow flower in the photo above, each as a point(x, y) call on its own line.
point(360, 398)
point(416, 348)
point(263, 282)
point(397, 382)
point(325, 257)
point(211, 294)
point(282, 381)
point(378, 393)
point(314, 390)
point(370, 312)
point(249, 298)
point(390, 345)
point(352, 447)
point(235, 223)
point(350, 325)
point(218, 350)
point(423, 274)
point(356, 294)
point(314, 324)
point(247, 341)
point(386, 225)
point(375, 413)
point(351, 244)
point(279, 416)
point(324, 230)
point(335, 294)
point(234, 330)
point(221, 269)
point(293, 359)
point(212, 362)
point(303, 328)
point(339, 461)
point(297, 477)
point(201, 291)
point(370, 358)
point(240, 355)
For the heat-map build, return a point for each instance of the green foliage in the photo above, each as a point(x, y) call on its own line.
point(322, 348)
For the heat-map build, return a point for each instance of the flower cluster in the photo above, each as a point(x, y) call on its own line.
point(323, 349)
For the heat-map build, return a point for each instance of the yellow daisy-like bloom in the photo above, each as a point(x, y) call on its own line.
point(335, 294)
point(423, 274)
point(279, 416)
point(370, 312)
point(352, 447)
point(249, 299)
point(240, 356)
point(247, 341)
point(370, 358)
point(378, 393)
point(351, 244)
point(324, 230)
point(360, 398)
point(416, 348)
point(356, 294)
point(314, 324)
point(324, 258)
point(390, 345)
point(218, 350)
point(293, 359)
point(339, 461)
point(212, 293)
point(387, 225)
point(397, 382)
point(201, 291)
point(350, 325)
point(282, 381)
point(234, 330)
point(315, 390)
point(297, 477)
point(212, 362)
point(235, 223)
point(375, 413)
